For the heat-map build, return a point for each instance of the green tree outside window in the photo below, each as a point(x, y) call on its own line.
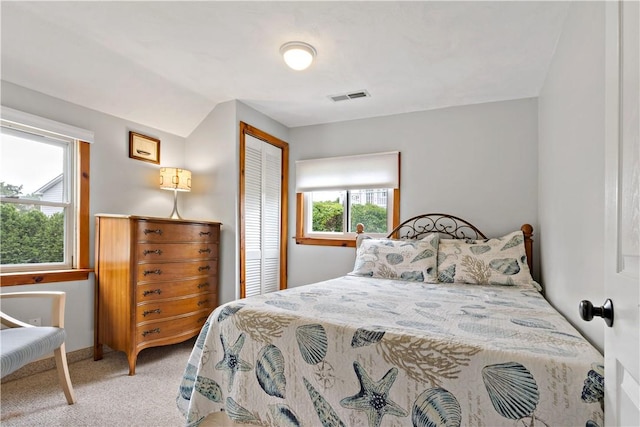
point(28, 236)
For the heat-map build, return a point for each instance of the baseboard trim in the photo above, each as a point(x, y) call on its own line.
point(48, 363)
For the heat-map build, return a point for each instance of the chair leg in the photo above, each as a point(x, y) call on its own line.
point(63, 374)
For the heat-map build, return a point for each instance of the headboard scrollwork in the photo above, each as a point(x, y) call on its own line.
point(452, 226)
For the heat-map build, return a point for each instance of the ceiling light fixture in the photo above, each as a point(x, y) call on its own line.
point(298, 55)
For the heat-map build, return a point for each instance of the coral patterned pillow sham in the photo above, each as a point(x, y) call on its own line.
point(500, 261)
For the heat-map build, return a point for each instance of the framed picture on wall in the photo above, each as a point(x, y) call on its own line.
point(145, 148)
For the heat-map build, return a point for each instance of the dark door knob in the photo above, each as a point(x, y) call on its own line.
point(588, 311)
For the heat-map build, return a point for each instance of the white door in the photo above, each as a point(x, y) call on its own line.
point(262, 213)
point(622, 214)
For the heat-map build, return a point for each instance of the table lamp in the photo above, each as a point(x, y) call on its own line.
point(177, 180)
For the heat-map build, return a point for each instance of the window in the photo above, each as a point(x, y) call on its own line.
point(44, 195)
point(337, 213)
point(335, 194)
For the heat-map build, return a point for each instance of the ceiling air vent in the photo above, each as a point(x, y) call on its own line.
point(348, 96)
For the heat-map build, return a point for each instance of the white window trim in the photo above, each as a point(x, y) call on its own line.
point(70, 137)
point(10, 116)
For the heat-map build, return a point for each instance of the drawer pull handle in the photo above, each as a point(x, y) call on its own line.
point(156, 271)
point(155, 291)
point(204, 251)
point(147, 312)
point(151, 331)
point(203, 302)
point(205, 233)
point(203, 285)
point(156, 231)
point(149, 251)
point(206, 267)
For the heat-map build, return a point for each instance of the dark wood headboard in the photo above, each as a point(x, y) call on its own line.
point(451, 226)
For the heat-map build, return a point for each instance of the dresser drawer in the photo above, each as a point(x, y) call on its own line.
point(149, 252)
point(156, 271)
point(171, 328)
point(163, 290)
point(149, 231)
point(156, 310)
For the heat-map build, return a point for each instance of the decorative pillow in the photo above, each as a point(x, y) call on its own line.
point(412, 260)
point(501, 261)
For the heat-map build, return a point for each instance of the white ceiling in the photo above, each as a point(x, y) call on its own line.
point(167, 64)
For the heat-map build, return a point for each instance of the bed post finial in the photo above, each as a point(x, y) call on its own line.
point(527, 231)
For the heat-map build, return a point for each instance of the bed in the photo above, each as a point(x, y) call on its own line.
point(435, 326)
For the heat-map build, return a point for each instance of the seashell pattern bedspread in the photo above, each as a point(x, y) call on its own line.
point(356, 351)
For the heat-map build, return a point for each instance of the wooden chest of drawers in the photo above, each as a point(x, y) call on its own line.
point(156, 281)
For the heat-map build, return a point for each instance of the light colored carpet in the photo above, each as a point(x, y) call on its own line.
point(106, 395)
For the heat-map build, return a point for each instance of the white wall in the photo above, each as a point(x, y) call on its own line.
point(212, 151)
point(211, 154)
point(571, 168)
point(477, 162)
point(118, 185)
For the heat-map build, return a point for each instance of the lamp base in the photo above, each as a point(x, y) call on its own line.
point(174, 213)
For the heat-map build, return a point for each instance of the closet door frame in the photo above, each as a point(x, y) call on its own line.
point(246, 129)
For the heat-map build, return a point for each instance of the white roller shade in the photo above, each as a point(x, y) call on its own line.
point(377, 170)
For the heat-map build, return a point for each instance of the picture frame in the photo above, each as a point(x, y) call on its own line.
point(144, 148)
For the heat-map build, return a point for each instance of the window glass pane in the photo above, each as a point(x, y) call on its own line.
point(31, 236)
point(370, 208)
point(32, 167)
point(327, 211)
point(34, 216)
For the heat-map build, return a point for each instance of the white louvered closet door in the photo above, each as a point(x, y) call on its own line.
point(262, 216)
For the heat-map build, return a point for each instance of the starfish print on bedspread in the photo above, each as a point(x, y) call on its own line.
point(231, 361)
point(373, 396)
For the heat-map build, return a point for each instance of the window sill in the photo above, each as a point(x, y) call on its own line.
point(38, 277)
point(326, 242)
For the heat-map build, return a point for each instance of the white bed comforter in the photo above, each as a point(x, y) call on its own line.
point(357, 351)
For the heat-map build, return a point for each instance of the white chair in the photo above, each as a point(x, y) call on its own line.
point(22, 343)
